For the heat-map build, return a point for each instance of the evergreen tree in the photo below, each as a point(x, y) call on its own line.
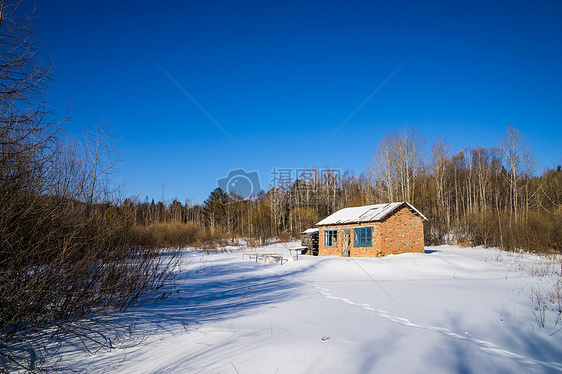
point(214, 207)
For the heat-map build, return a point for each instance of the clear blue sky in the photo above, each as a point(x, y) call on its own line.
point(281, 76)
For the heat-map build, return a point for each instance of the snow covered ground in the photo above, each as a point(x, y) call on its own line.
point(450, 310)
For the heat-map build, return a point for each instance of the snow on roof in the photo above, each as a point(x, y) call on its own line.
point(310, 231)
point(367, 213)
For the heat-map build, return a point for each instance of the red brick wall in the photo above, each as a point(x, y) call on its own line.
point(355, 251)
point(401, 232)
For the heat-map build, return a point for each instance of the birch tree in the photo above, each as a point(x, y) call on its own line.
point(518, 161)
point(397, 163)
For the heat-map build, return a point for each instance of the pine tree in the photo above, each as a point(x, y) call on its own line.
point(214, 208)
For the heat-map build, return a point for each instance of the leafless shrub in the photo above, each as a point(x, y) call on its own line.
point(67, 266)
point(258, 242)
point(548, 297)
point(177, 234)
point(481, 229)
point(284, 237)
point(554, 295)
point(545, 300)
point(67, 269)
point(167, 235)
point(540, 307)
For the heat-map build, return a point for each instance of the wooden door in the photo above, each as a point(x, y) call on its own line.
point(346, 243)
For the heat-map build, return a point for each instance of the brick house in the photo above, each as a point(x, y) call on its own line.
point(372, 230)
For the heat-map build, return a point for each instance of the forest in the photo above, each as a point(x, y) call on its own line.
point(482, 196)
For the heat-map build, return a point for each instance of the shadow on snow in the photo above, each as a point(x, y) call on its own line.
point(217, 291)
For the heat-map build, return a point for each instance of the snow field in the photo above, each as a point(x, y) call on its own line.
point(450, 310)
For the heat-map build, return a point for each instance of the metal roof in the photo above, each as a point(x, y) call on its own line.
point(367, 213)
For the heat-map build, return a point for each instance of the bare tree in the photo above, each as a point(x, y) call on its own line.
point(439, 160)
point(101, 155)
point(27, 128)
point(397, 162)
point(518, 160)
point(66, 271)
point(383, 169)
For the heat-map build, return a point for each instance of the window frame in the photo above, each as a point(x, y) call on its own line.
point(331, 236)
point(363, 236)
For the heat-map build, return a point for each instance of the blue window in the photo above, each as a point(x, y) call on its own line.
point(363, 237)
point(330, 238)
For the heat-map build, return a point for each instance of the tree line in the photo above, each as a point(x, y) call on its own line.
point(488, 196)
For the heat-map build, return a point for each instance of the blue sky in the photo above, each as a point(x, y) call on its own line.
point(281, 76)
